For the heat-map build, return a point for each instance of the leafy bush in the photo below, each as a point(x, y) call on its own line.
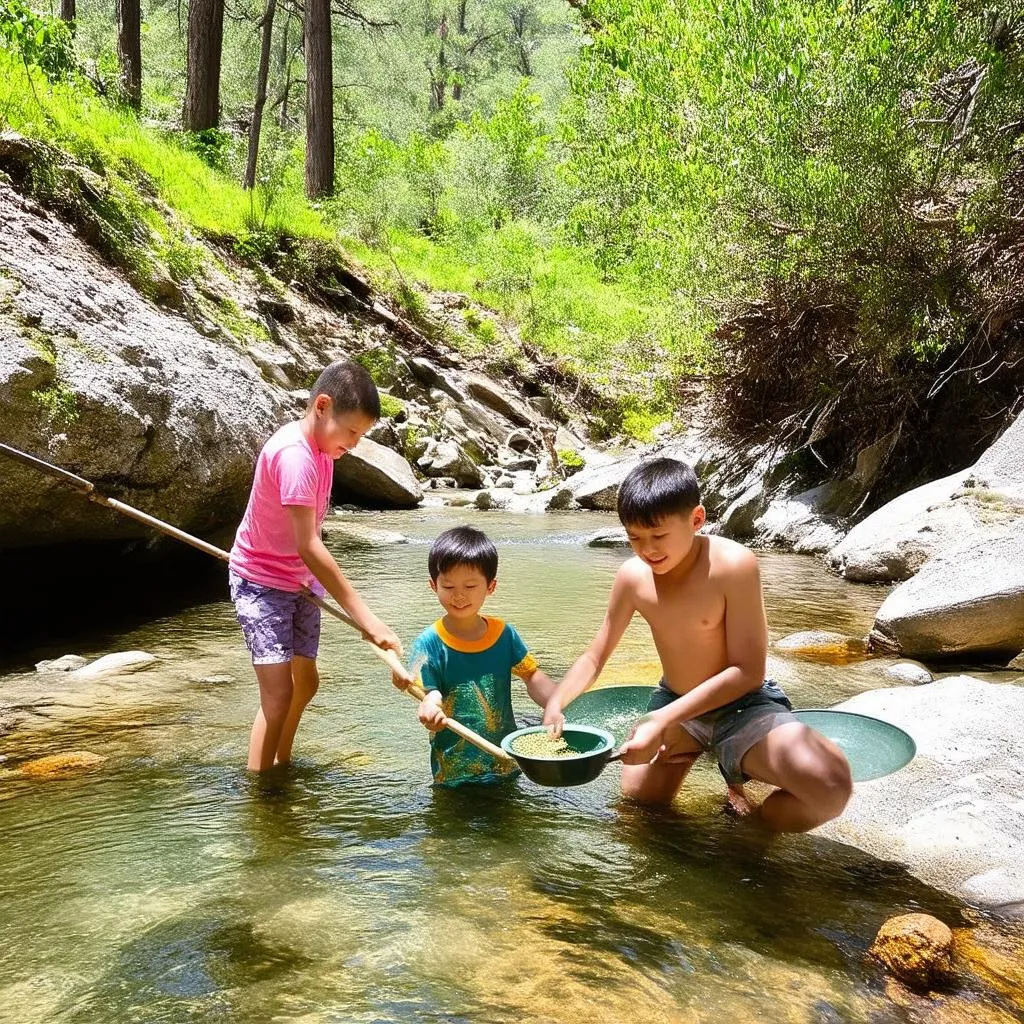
point(41, 41)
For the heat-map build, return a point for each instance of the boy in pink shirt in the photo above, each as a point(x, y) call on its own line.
point(278, 551)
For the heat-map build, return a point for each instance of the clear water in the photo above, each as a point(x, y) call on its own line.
point(167, 885)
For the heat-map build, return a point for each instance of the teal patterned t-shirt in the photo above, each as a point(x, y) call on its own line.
point(475, 680)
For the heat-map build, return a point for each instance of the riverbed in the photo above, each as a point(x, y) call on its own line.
point(167, 885)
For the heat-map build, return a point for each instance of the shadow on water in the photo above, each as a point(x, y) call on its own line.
point(95, 592)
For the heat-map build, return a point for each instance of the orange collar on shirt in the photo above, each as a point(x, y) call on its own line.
point(495, 627)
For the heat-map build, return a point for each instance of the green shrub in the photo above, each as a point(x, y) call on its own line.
point(40, 40)
point(390, 406)
point(570, 459)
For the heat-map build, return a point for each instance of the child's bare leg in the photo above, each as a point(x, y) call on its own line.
point(275, 700)
point(658, 783)
point(305, 683)
point(811, 772)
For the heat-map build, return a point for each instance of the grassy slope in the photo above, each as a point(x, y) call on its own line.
point(612, 333)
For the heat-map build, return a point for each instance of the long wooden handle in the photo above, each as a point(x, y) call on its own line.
point(417, 693)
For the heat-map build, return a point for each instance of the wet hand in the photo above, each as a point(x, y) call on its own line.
point(431, 715)
point(384, 637)
point(553, 718)
point(645, 743)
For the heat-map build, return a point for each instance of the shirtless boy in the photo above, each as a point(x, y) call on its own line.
point(701, 597)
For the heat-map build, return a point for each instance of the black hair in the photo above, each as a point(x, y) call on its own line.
point(463, 545)
point(349, 387)
point(655, 489)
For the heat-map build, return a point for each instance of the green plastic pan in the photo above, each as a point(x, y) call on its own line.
point(874, 748)
point(596, 746)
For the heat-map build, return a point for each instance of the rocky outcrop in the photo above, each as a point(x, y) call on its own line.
point(163, 391)
point(377, 475)
point(101, 380)
point(952, 815)
point(894, 542)
point(968, 601)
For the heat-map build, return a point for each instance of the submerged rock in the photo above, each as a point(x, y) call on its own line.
point(111, 664)
point(60, 764)
point(995, 958)
point(68, 663)
point(968, 601)
point(917, 948)
point(953, 815)
point(360, 535)
point(821, 645)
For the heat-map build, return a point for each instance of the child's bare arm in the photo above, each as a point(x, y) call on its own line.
point(588, 666)
point(540, 686)
point(323, 566)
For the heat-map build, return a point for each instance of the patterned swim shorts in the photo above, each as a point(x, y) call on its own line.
point(276, 624)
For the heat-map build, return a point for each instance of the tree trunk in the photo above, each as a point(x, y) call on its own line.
point(286, 70)
point(319, 100)
point(202, 72)
point(129, 51)
point(67, 10)
point(261, 95)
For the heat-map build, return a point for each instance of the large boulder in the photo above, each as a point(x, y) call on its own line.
point(375, 474)
point(1001, 468)
point(952, 815)
point(500, 399)
point(895, 541)
point(801, 523)
point(100, 380)
point(967, 601)
point(449, 459)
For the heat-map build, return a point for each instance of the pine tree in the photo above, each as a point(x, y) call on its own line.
point(202, 71)
point(319, 100)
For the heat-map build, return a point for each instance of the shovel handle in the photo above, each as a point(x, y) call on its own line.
point(417, 693)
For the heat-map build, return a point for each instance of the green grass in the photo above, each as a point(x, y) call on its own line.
point(559, 301)
point(104, 137)
point(612, 332)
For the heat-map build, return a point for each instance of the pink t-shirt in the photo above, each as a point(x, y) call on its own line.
point(290, 470)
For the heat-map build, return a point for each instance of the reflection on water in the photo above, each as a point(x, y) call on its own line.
point(166, 885)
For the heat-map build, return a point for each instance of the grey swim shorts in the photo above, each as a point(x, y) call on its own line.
point(730, 731)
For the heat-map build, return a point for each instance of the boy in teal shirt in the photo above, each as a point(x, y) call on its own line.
point(469, 661)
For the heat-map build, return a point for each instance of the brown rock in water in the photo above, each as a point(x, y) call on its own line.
point(917, 948)
point(821, 645)
point(60, 764)
point(995, 958)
